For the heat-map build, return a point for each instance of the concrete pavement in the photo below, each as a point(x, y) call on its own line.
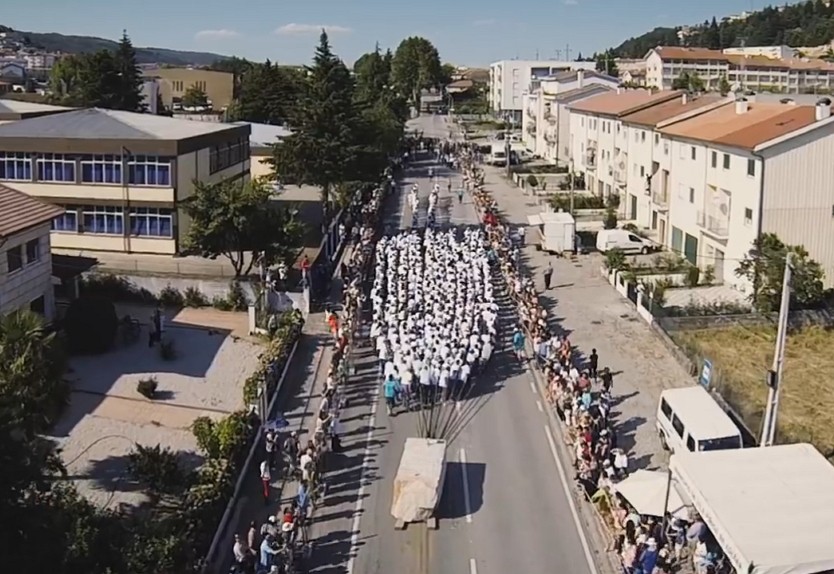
point(506, 505)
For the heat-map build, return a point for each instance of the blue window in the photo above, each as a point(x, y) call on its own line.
point(15, 166)
point(149, 170)
point(104, 219)
point(151, 222)
point(66, 222)
point(101, 169)
point(56, 167)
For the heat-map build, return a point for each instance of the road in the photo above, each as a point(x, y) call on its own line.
point(506, 505)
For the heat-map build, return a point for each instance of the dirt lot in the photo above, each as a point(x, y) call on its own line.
point(741, 357)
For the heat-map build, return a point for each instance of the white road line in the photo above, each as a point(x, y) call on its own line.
point(583, 539)
point(473, 566)
point(457, 407)
point(467, 503)
point(533, 387)
point(360, 496)
point(539, 405)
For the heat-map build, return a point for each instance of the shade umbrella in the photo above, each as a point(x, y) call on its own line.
point(645, 490)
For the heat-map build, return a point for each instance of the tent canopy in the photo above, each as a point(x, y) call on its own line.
point(645, 490)
point(770, 508)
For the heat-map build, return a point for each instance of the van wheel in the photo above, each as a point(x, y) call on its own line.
point(663, 442)
point(644, 251)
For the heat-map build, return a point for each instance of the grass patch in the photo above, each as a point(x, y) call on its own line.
point(741, 357)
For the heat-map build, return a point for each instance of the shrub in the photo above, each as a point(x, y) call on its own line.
point(147, 387)
point(532, 180)
point(693, 275)
point(709, 275)
point(610, 219)
point(221, 303)
point(167, 350)
point(91, 325)
point(615, 260)
point(156, 467)
point(171, 297)
point(580, 201)
point(193, 297)
point(237, 297)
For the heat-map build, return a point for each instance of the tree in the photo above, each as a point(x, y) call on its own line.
point(764, 267)
point(447, 71)
point(415, 67)
point(240, 221)
point(268, 94)
point(194, 97)
point(606, 63)
point(322, 150)
point(724, 85)
point(371, 78)
point(129, 84)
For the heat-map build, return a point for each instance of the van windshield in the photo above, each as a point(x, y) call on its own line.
point(726, 443)
point(498, 154)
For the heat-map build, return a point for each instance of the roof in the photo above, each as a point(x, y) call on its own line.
point(654, 115)
point(680, 53)
point(742, 60)
point(99, 124)
point(583, 92)
point(460, 85)
point(761, 123)
point(20, 211)
point(573, 75)
point(623, 102)
point(15, 109)
point(769, 508)
point(704, 418)
point(264, 135)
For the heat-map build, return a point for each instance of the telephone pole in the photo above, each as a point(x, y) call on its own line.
point(774, 376)
point(568, 52)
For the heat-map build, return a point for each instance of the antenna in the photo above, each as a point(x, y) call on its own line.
point(558, 54)
point(537, 53)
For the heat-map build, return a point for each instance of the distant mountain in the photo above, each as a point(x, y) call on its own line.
point(52, 42)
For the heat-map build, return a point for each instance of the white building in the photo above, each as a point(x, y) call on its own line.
point(509, 79)
point(557, 118)
point(599, 143)
point(775, 52)
point(25, 258)
point(749, 168)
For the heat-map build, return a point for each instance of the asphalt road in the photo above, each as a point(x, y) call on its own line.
point(505, 506)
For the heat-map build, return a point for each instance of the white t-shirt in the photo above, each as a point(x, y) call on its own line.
point(464, 373)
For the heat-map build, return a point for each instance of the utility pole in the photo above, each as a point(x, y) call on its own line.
point(558, 54)
point(568, 52)
point(774, 376)
point(572, 185)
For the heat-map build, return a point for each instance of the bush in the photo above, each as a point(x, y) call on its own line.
point(615, 260)
point(193, 297)
point(236, 299)
point(91, 325)
point(156, 467)
point(532, 181)
point(693, 275)
point(610, 220)
point(221, 303)
point(147, 387)
point(171, 297)
point(167, 350)
point(580, 201)
point(709, 275)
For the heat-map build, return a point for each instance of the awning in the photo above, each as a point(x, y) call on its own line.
point(645, 490)
point(770, 509)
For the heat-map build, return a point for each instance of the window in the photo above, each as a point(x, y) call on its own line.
point(582, 122)
point(677, 425)
point(642, 171)
point(636, 136)
point(66, 222)
point(15, 166)
point(691, 195)
point(223, 156)
point(149, 170)
point(748, 216)
point(692, 151)
point(101, 169)
point(714, 159)
point(642, 136)
point(682, 193)
point(33, 251)
point(14, 258)
point(56, 167)
point(726, 161)
point(682, 151)
point(151, 222)
point(690, 443)
point(751, 167)
point(656, 139)
point(665, 408)
point(677, 240)
point(104, 219)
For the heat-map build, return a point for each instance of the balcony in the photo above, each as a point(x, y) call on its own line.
point(716, 225)
point(591, 158)
point(619, 176)
point(660, 200)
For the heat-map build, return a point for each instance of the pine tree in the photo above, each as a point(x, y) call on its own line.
point(129, 91)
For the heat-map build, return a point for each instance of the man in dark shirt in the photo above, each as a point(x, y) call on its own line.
point(593, 364)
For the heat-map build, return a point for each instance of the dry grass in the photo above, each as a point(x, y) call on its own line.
point(741, 357)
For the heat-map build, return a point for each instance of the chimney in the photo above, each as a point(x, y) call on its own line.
point(823, 109)
point(580, 78)
point(741, 106)
point(684, 98)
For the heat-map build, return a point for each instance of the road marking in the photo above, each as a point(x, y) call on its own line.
point(539, 405)
point(592, 567)
point(467, 503)
point(533, 388)
point(457, 407)
point(473, 566)
point(366, 460)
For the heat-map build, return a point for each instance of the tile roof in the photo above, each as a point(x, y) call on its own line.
point(742, 60)
point(583, 92)
point(654, 115)
point(761, 123)
point(679, 53)
point(624, 102)
point(95, 123)
point(20, 211)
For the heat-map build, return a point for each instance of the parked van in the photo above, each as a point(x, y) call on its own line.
point(624, 240)
point(497, 154)
point(689, 419)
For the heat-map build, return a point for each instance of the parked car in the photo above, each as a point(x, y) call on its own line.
point(624, 240)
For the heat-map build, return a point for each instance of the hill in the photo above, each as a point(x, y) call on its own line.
point(53, 42)
point(809, 23)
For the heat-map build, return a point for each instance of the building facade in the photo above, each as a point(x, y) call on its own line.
point(175, 82)
point(120, 177)
point(25, 256)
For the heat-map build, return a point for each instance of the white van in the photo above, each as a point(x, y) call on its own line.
point(624, 240)
point(689, 419)
point(497, 154)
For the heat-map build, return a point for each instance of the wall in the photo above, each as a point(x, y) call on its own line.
point(76, 242)
point(20, 288)
point(75, 193)
point(798, 199)
point(639, 166)
point(219, 86)
point(258, 167)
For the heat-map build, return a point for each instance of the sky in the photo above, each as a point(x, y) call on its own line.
point(465, 32)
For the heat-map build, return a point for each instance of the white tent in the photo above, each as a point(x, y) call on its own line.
point(771, 509)
point(645, 490)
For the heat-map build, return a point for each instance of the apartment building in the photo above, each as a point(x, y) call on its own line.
point(174, 82)
point(599, 142)
point(743, 71)
point(748, 168)
point(647, 160)
point(509, 79)
point(25, 257)
point(774, 52)
point(119, 176)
